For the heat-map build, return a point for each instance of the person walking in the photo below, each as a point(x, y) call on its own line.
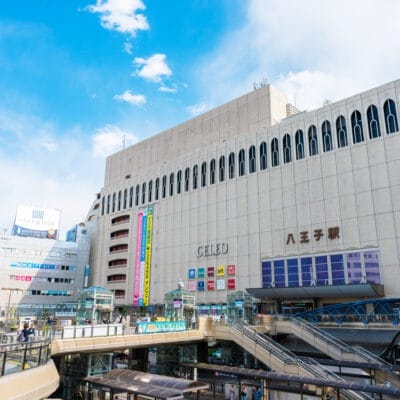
point(243, 392)
point(26, 332)
point(232, 393)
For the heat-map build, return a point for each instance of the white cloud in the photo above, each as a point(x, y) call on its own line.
point(121, 15)
point(199, 108)
point(167, 89)
point(111, 139)
point(153, 68)
point(135, 99)
point(49, 146)
point(313, 50)
point(128, 47)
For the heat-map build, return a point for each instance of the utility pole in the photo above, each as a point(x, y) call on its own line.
point(10, 292)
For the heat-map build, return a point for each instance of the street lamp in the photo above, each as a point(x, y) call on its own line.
point(10, 292)
point(181, 285)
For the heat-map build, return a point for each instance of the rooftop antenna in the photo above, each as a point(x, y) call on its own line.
point(258, 85)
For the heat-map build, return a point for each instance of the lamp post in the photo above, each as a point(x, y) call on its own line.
point(181, 285)
point(10, 292)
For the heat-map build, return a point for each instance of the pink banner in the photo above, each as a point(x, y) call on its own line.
point(136, 286)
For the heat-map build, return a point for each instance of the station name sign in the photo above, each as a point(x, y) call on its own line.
point(213, 249)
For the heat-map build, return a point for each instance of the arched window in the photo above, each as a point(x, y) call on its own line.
point(137, 195)
point(143, 192)
point(113, 202)
point(150, 195)
point(108, 204)
point(373, 122)
point(356, 125)
point(299, 139)
point(103, 203)
point(326, 136)
point(125, 198)
point(187, 177)
point(275, 152)
point(312, 140)
point(287, 149)
point(119, 200)
point(171, 184)
point(389, 109)
point(131, 197)
point(157, 189)
point(222, 169)
point(179, 182)
point(203, 174)
point(263, 156)
point(242, 163)
point(252, 159)
point(231, 162)
point(212, 172)
point(164, 186)
point(195, 175)
point(341, 131)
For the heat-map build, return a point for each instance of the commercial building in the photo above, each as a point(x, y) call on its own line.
point(296, 207)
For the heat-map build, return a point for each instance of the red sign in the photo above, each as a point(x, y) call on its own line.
point(210, 271)
point(231, 270)
point(231, 284)
point(211, 285)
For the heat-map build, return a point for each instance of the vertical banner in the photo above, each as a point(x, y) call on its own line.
point(141, 290)
point(136, 285)
point(147, 261)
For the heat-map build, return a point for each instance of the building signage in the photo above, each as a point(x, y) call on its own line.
point(213, 249)
point(317, 234)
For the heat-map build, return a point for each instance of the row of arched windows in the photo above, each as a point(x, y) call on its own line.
point(340, 133)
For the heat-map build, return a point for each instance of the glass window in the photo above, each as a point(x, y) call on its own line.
point(231, 162)
point(266, 274)
point(252, 159)
point(321, 270)
point(389, 109)
point(195, 175)
point(108, 204)
point(274, 152)
point(373, 122)
point(312, 140)
point(212, 172)
point(341, 131)
point(203, 174)
point(171, 184)
point(337, 268)
point(354, 272)
point(137, 195)
point(371, 260)
point(103, 202)
point(131, 197)
point(307, 275)
point(279, 273)
point(119, 200)
point(299, 139)
point(293, 272)
point(242, 165)
point(179, 182)
point(157, 189)
point(164, 186)
point(150, 194)
point(187, 177)
point(125, 198)
point(143, 192)
point(327, 136)
point(287, 149)
point(222, 169)
point(356, 125)
point(263, 156)
point(113, 202)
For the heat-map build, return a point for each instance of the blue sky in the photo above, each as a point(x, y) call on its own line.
point(77, 76)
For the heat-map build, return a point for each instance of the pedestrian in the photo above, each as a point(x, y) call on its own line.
point(26, 332)
point(193, 321)
point(222, 319)
point(232, 393)
point(258, 394)
point(243, 392)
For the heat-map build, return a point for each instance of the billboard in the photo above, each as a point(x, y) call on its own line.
point(36, 222)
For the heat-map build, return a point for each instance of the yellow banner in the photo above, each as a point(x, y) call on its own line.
point(221, 270)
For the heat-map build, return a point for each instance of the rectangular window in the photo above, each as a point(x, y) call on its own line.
point(279, 272)
point(354, 272)
point(266, 274)
point(321, 269)
point(337, 267)
point(371, 260)
point(306, 271)
point(293, 272)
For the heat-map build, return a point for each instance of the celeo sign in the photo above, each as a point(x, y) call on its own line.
point(213, 249)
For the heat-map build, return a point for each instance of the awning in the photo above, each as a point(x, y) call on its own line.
point(330, 291)
point(141, 383)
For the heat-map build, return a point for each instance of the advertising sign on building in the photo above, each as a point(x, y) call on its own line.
point(36, 222)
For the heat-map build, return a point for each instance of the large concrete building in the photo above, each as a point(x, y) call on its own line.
point(300, 206)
